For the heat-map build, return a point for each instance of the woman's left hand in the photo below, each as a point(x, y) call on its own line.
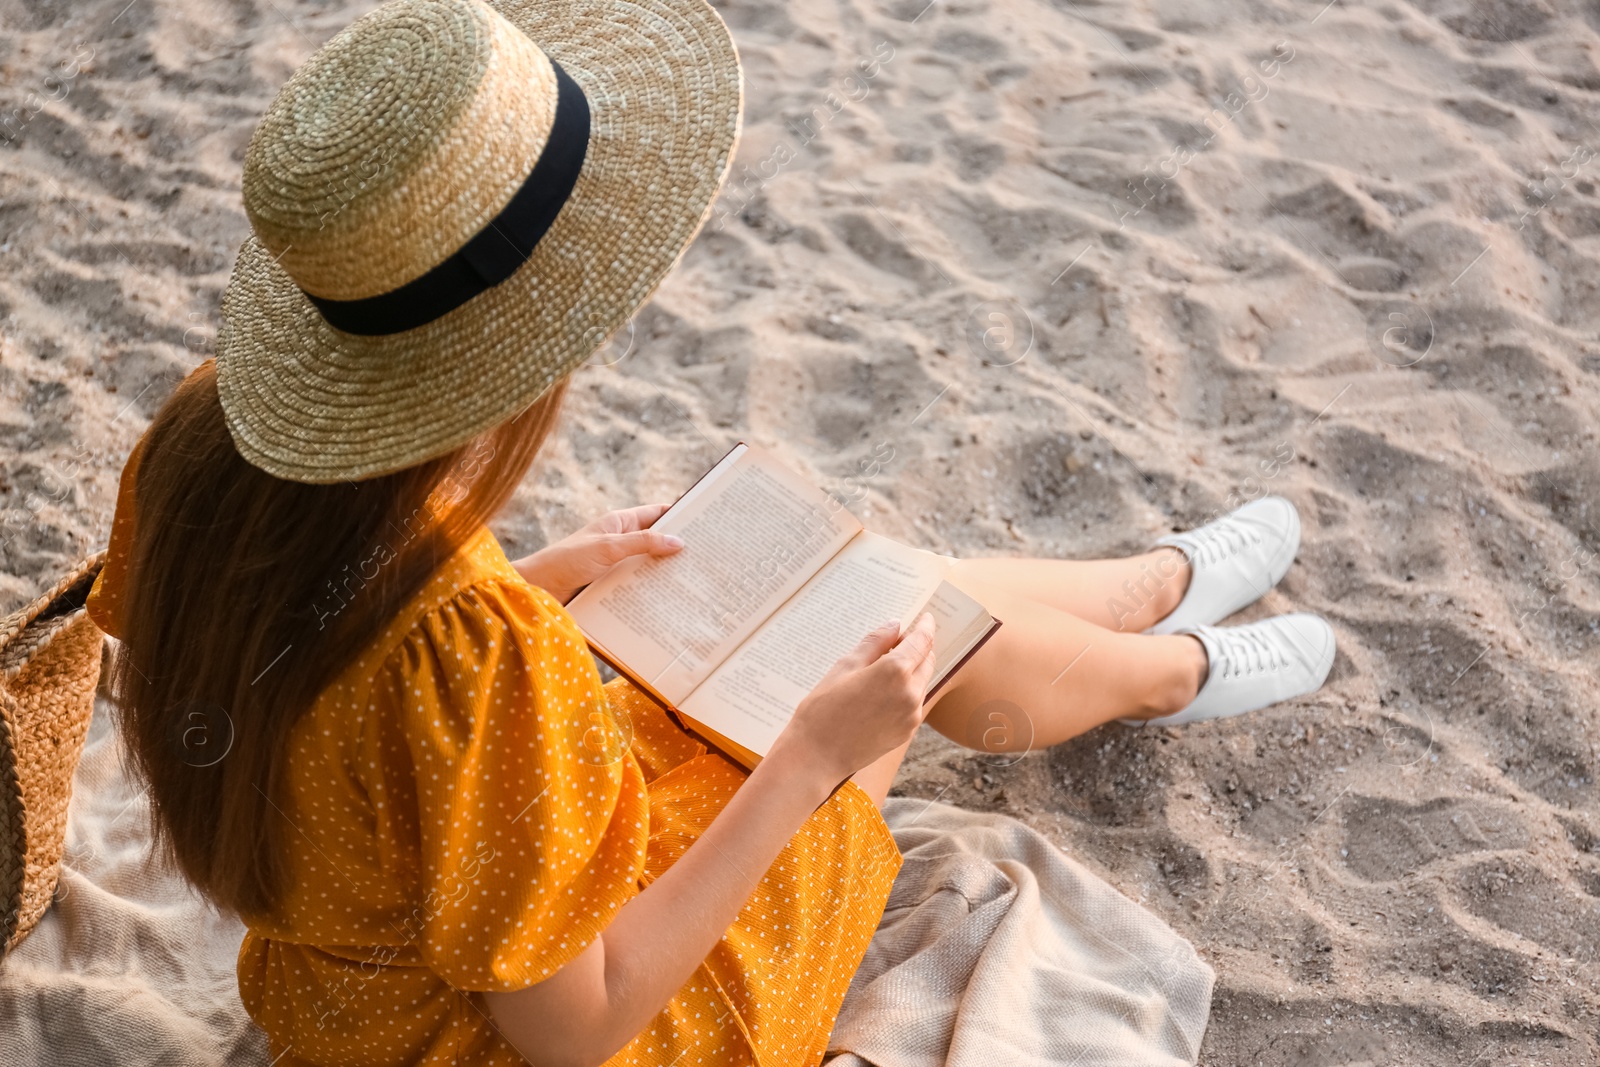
point(563, 568)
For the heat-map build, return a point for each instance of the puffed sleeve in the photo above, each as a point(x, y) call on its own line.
point(531, 816)
point(105, 596)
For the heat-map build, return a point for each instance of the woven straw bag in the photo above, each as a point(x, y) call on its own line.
point(49, 667)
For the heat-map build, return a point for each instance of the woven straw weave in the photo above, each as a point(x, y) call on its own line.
point(399, 140)
point(49, 666)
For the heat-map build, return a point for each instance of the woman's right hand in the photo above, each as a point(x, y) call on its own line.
point(870, 703)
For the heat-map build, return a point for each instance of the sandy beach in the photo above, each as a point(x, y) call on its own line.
point(1034, 277)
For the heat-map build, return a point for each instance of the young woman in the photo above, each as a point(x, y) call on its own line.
point(383, 744)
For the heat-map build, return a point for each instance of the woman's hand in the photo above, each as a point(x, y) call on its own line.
point(563, 568)
point(869, 703)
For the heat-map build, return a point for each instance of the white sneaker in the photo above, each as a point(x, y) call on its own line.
point(1255, 665)
point(1233, 561)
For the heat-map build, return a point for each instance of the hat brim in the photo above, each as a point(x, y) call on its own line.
point(309, 403)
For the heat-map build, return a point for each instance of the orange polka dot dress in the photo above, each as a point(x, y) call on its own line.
point(471, 806)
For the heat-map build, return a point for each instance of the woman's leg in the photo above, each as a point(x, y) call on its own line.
point(877, 776)
point(1048, 675)
point(1126, 595)
point(1050, 606)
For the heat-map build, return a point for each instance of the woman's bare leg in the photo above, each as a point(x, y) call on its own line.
point(1127, 595)
point(1048, 675)
point(1052, 607)
point(877, 776)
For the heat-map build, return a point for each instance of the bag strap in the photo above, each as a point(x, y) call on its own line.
point(68, 595)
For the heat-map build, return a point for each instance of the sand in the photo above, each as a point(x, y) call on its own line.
point(1035, 278)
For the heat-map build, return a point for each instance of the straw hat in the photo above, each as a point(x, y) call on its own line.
point(49, 665)
point(455, 203)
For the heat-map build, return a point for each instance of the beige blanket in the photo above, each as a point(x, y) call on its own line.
point(995, 949)
point(128, 966)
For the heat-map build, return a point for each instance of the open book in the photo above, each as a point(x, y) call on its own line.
point(776, 581)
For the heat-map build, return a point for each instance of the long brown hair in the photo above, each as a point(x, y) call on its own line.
point(246, 595)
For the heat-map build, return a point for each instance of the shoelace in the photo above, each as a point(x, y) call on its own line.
point(1219, 540)
point(1246, 651)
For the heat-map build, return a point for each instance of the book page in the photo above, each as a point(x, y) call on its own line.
point(961, 623)
point(753, 532)
point(752, 695)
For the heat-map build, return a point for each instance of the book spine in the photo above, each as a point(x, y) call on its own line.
point(962, 662)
